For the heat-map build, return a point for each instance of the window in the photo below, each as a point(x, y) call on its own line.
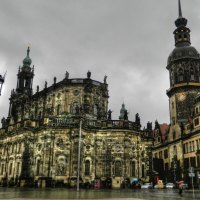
point(198, 147)
point(17, 170)
point(160, 154)
point(172, 78)
point(58, 109)
point(186, 148)
point(10, 169)
point(193, 162)
point(87, 167)
point(19, 149)
point(175, 150)
point(180, 75)
point(192, 74)
point(165, 153)
point(189, 147)
point(166, 167)
point(133, 168)
point(198, 161)
point(196, 110)
point(195, 146)
point(38, 167)
point(75, 105)
point(40, 115)
point(192, 143)
point(12, 148)
point(118, 168)
point(196, 122)
point(2, 169)
point(142, 170)
point(174, 135)
point(186, 163)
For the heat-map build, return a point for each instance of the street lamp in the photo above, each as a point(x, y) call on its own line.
point(79, 154)
point(2, 79)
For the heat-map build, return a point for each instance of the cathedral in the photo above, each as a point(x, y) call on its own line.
point(65, 133)
point(177, 145)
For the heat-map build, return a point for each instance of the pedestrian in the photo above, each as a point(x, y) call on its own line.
point(180, 189)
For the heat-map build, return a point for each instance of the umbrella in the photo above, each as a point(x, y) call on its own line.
point(180, 182)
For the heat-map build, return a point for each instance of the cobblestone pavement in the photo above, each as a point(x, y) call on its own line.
point(62, 193)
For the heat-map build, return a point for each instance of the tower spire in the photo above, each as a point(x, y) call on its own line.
point(179, 9)
point(182, 33)
point(27, 61)
point(181, 21)
point(28, 51)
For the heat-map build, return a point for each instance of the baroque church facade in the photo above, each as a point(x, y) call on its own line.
point(178, 145)
point(66, 131)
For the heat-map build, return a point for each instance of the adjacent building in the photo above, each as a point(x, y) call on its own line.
point(179, 145)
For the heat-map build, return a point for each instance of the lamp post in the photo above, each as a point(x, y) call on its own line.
point(79, 154)
point(2, 79)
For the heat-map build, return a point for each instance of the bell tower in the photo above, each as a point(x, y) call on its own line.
point(23, 90)
point(184, 73)
point(25, 76)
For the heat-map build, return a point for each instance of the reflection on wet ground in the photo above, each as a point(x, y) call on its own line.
point(62, 193)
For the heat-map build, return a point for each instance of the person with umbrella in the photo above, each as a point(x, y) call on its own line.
point(180, 187)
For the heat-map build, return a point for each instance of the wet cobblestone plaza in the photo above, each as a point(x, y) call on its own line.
point(62, 193)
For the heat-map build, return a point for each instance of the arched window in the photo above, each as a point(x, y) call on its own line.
point(17, 170)
point(174, 135)
point(142, 170)
point(38, 167)
point(175, 150)
point(74, 107)
point(180, 75)
point(185, 35)
point(2, 169)
point(133, 166)
point(87, 167)
point(118, 168)
point(10, 168)
point(192, 74)
point(58, 109)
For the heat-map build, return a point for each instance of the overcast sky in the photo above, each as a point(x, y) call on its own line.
point(127, 40)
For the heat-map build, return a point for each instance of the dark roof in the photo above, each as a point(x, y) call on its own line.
point(183, 52)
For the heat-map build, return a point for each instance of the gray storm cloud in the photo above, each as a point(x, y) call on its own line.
point(128, 40)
